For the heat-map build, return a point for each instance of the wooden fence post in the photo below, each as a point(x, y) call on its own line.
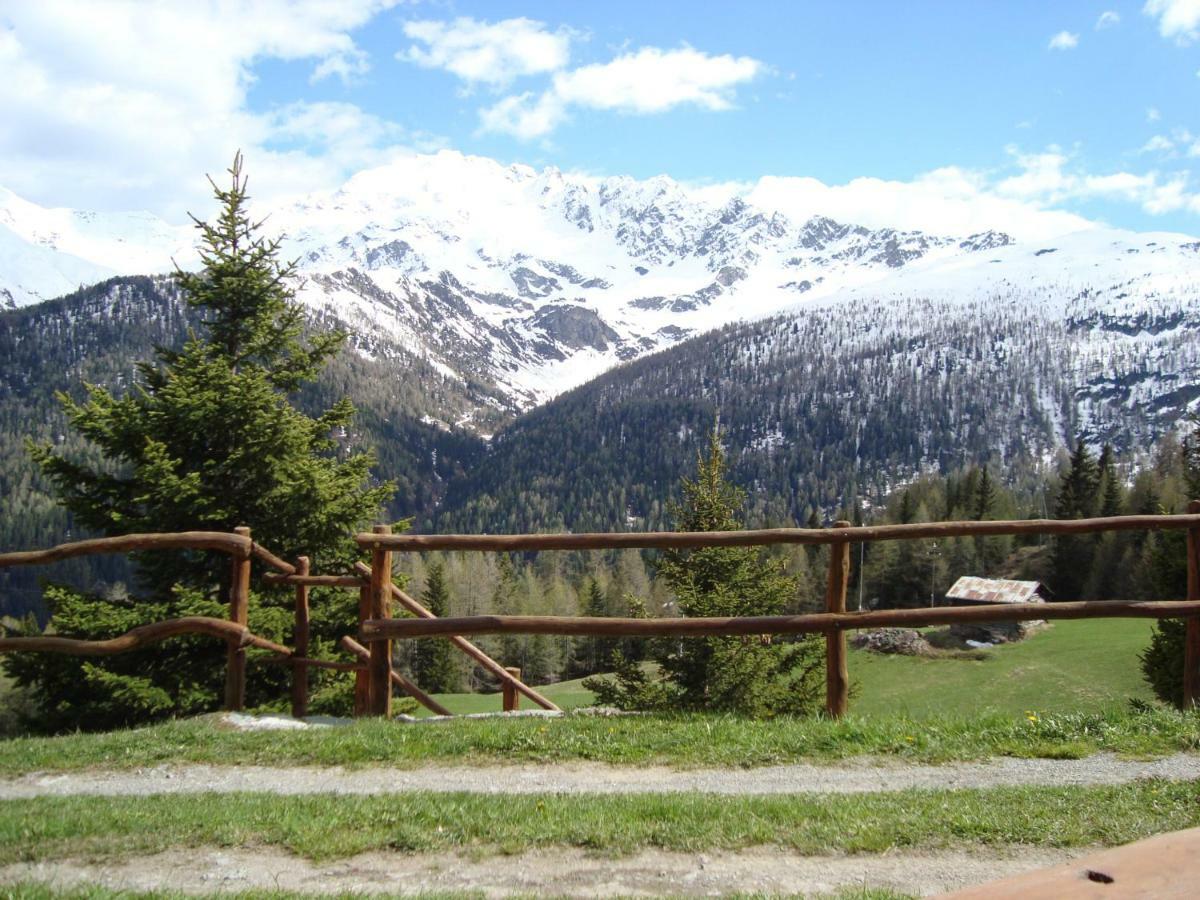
point(837, 675)
point(300, 670)
point(239, 608)
point(379, 669)
point(510, 699)
point(1191, 642)
point(362, 679)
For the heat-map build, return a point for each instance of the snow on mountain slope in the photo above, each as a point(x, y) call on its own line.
point(533, 282)
point(30, 273)
point(45, 253)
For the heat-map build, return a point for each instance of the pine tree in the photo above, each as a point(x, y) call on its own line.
point(505, 602)
point(813, 550)
point(1073, 554)
point(594, 654)
point(755, 676)
point(537, 666)
point(1191, 459)
point(1077, 494)
point(206, 439)
point(1162, 661)
point(985, 497)
point(433, 660)
point(1109, 488)
point(989, 551)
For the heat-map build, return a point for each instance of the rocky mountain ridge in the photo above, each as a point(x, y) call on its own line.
point(516, 285)
point(530, 281)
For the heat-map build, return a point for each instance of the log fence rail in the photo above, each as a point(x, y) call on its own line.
point(373, 680)
point(835, 621)
point(376, 678)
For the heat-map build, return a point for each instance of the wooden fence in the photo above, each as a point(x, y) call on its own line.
point(380, 629)
point(375, 677)
point(235, 631)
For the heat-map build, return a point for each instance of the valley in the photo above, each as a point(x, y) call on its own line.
point(537, 350)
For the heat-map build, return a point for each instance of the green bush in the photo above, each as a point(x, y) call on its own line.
point(1162, 661)
point(752, 675)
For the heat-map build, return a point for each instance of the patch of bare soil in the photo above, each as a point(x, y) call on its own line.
point(849, 777)
point(560, 873)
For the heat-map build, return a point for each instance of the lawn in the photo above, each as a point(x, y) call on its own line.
point(567, 694)
point(332, 826)
point(685, 741)
point(1077, 678)
point(1072, 666)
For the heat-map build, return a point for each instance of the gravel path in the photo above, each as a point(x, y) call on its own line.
point(560, 872)
point(849, 777)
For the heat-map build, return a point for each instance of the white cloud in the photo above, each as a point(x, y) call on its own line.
point(115, 104)
point(308, 146)
point(1064, 40)
point(346, 66)
point(947, 201)
point(491, 53)
point(1152, 114)
point(1179, 141)
point(1108, 19)
point(524, 116)
point(650, 80)
point(1160, 143)
point(653, 80)
point(1177, 19)
point(1046, 179)
point(1024, 199)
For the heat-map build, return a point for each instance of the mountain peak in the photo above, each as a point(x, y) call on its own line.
point(536, 280)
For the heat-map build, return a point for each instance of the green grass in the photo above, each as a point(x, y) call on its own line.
point(566, 694)
point(682, 741)
point(1072, 666)
point(909, 708)
point(324, 827)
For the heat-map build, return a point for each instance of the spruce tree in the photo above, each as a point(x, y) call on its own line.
point(1166, 553)
point(205, 439)
point(757, 676)
point(1111, 491)
point(1077, 497)
point(433, 660)
point(594, 653)
point(989, 551)
point(1191, 459)
point(985, 497)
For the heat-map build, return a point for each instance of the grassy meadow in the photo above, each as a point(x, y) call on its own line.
point(1072, 666)
point(324, 827)
point(1064, 692)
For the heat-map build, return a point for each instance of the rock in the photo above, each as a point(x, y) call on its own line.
point(575, 327)
point(904, 641)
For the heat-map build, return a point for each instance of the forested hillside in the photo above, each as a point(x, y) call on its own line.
point(828, 408)
point(97, 336)
point(825, 410)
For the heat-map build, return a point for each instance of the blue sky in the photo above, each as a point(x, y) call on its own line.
point(1088, 108)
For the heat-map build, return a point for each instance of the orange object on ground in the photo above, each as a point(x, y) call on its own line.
point(1165, 867)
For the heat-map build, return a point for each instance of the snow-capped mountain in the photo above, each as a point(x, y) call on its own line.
point(534, 282)
point(45, 253)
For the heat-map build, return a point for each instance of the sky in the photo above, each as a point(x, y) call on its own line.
point(944, 115)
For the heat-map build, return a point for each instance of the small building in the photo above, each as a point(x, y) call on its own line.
point(973, 591)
